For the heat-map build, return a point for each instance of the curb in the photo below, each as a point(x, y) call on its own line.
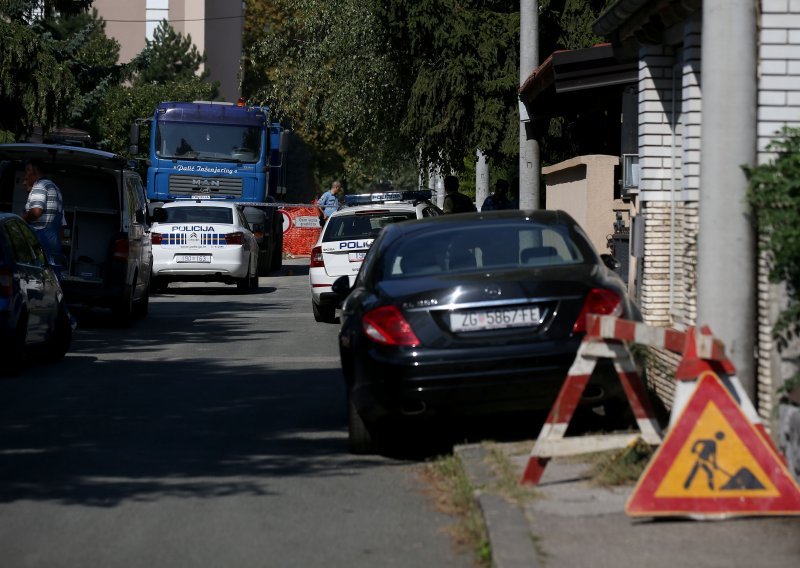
point(506, 524)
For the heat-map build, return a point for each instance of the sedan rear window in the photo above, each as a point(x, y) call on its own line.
point(482, 247)
point(345, 227)
point(199, 215)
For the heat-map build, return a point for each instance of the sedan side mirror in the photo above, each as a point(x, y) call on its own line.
point(610, 261)
point(341, 286)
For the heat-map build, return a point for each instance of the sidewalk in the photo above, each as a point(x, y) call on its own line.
point(569, 522)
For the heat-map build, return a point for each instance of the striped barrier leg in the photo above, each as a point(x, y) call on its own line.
point(636, 393)
point(558, 419)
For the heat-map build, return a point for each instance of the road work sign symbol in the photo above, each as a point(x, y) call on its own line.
point(714, 464)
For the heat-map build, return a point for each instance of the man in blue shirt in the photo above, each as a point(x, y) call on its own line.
point(329, 202)
point(499, 199)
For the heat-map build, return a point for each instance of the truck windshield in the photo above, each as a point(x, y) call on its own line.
point(208, 142)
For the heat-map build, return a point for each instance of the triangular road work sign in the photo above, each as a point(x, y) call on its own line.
point(714, 464)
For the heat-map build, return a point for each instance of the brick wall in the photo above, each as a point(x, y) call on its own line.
point(670, 107)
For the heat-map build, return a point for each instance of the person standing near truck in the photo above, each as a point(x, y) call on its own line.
point(44, 209)
point(329, 202)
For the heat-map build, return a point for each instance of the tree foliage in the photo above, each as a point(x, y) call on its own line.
point(169, 56)
point(775, 198)
point(80, 42)
point(35, 88)
point(403, 81)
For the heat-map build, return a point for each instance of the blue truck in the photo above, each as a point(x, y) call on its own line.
point(221, 151)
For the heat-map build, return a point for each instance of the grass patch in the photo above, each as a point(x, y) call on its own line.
point(452, 494)
point(508, 477)
point(621, 467)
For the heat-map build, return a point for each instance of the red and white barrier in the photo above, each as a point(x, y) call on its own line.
point(608, 337)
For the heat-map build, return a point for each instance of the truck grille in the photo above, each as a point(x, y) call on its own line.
point(190, 185)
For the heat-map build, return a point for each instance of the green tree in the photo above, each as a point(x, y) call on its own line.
point(80, 42)
point(169, 56)
point(36, 88)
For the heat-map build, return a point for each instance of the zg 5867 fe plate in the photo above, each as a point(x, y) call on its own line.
point(499, 318)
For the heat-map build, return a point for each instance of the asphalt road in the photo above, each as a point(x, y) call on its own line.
point(211, 433)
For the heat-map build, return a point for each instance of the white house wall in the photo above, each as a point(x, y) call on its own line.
point(670, 105)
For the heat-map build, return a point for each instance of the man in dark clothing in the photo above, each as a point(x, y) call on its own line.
point(499, 199)
point(455, 202)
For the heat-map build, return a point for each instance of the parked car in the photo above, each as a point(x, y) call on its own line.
point(470, 314)
point(107, 252)
point(268, 230)
point(348, 234)
point(32, 309)
point(203, 240)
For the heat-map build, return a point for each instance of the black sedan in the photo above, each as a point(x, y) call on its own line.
point(32, 310)
point(473, 313)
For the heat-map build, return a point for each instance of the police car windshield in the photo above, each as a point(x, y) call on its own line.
point(199, 215)
point(345, 227)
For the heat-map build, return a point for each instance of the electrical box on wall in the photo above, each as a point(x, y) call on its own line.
point(630, 174)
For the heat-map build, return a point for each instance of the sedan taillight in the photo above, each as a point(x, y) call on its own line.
point(317, 261)
point(598, 301)
point(387, 325)
point(234, 238)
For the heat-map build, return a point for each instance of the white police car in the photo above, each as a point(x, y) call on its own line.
point(348, 234)
point(203, 240)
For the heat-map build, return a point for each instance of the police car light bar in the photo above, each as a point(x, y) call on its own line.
point(406, 195)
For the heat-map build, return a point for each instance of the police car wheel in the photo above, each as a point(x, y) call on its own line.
point(325, 314)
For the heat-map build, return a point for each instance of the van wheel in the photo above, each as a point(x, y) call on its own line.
point(59, 342)
point(122, 311)
point(142, 306)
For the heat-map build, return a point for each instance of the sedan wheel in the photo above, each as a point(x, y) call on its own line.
point(360, 437)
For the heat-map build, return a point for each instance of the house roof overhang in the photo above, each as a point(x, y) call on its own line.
point(568, 81)
point(642, 22)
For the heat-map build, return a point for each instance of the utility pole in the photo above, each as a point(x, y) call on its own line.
point(481, 179)
point(529, 166)
point(726, 244)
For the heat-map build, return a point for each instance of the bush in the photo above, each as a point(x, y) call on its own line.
point(775, 197)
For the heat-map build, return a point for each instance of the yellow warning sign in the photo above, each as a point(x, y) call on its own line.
point(714, 462)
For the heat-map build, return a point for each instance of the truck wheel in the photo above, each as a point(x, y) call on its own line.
point(277, 254)
point(264, 264)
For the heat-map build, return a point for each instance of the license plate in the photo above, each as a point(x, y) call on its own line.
point(356, 256)
point(500, 318)
point(193, 258)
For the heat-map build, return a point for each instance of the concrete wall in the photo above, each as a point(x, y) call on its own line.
point(584, 188)
point(125, 21)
